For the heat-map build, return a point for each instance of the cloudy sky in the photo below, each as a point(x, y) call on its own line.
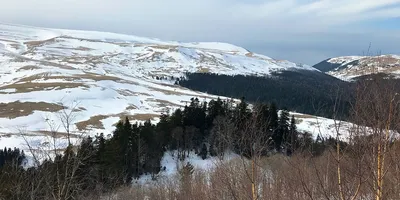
point(306, 31)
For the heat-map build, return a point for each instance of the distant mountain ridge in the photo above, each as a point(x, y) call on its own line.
point(350, 67)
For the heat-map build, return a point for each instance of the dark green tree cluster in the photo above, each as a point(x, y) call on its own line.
point(11, 156)
point(197, 127)
point(133, 150)
point(102, 164)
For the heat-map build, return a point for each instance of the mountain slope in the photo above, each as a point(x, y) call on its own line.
point(101, 77)
point(349, 67)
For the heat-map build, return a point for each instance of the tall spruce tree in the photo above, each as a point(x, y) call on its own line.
point(87, 156)
point(163, 128)
point(282, 131)
point(203, 152)
point(215, 108)
point(273, 116)
point(263, 116)
point(242, 113)
point(292, 140)
point(177, 118)
point(120, 148)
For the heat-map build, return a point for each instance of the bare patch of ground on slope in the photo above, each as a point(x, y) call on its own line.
point(74, 77)
point(19, 109)
point(32, 83)
point(95, 121)
point(28, 67)
point(31, 87)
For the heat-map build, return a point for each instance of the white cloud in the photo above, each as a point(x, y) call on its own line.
point(243, 22)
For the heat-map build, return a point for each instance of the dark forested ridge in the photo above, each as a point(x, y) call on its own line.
point(310, 92)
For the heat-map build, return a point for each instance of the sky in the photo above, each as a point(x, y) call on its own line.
point(305, 31)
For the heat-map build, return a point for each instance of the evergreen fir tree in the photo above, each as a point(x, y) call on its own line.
point(283, 130)
point(13, 157)
point(263, 116)
point(203, 152)
point(177, 118)
point(212, 150)
point(87, 157)
point(293, 137)
point(118, 132)
point(100, 144)
point(2, 158)
point(242, 113)
point(119, 152)
point(163, 128)
point(273, 115)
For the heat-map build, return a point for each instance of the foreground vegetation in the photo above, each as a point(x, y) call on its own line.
point(274, 160)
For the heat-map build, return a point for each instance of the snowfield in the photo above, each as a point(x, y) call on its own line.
point(172, 165)
point(323, 127)
point(350, 67)
point(102, 77)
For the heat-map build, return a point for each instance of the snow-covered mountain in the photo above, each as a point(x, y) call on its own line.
point(349, 67)
point(99, 77)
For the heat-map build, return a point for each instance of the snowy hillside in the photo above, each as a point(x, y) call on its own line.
point(349, 67)
point(101, 77)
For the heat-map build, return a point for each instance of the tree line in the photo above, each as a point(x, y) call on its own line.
point(103, 163)
point(8, 155)
point(301, 91)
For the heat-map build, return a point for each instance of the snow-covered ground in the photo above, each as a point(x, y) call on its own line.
point(316, 126)
point(365, 65)
point(323, 127)
point(102, 77)
point(173, 165)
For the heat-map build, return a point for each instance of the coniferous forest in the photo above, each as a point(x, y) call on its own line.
point(274, 160)
point(137, 149)
point(301, 91)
